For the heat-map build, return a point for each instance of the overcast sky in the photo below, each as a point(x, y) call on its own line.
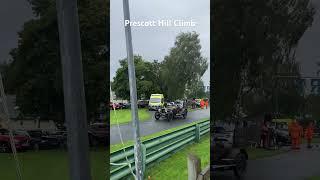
point(308, 51)
point(13, 13)
point(153, 43)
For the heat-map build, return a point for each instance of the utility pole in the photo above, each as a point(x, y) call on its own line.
point(133, 95)
point(73, 87)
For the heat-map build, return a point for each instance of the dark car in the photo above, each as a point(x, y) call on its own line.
point(43, 140)
point(22, 142)
point(98, 134)
point(123, 105)
point(143, 103)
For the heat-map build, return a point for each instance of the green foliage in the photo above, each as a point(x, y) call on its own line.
point(147, 79)
point(183, 65)
point(251, 45)
point(34, 74)
point(196, 89)
point(312, 107)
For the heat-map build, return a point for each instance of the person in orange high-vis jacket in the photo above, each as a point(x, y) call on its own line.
point(309, 134)
point(207, 103)
point(202, 103)
point(295, 132)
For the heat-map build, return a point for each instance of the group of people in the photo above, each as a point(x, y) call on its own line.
point(204, 103)
point(296, 133)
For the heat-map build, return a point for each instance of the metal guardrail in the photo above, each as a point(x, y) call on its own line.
point(156, 149)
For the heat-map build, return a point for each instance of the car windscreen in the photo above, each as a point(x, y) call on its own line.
point(155, 100)
point(35, 133)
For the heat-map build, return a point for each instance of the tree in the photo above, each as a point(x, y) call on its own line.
point(34, 73)
point(251, 45)
point(147, 79)
point(183, 65)
point(196, 89)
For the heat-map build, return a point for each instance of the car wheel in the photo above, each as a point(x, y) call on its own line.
point(4, 148)
point(157, 115)
point(185, 115)
point(241, 165)
point(36, 147)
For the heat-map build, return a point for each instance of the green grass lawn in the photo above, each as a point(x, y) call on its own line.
point(49, 165)
point(175, 167)
point(257, 153)
point(115, 147)
point(314, 178)
point(124, 116)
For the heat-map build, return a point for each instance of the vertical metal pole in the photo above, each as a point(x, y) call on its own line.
point(73, 86)
point(133, 95)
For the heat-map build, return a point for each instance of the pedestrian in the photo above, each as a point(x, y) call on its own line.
point(309, 134)
point(207, 103)
point(264, 134)
point(295, 132)
point(193, 103)
point(202, 103)
point(300, 134)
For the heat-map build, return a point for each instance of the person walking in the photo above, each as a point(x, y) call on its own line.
point(264, 134)
point(193, 103)
point(295, 132)
point(300, 134)
point(309, 134)
point(207, 103)
point(202, 103)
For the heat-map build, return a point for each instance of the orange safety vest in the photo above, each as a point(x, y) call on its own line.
point(295, 131)
point(201, 103)
point(309, 132)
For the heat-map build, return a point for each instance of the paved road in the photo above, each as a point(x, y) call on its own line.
point(153, 126)
point(294, 165)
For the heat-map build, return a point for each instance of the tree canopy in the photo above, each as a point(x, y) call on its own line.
point(253, 42)
point(34, 73)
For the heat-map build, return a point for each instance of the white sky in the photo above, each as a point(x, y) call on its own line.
point(153, 43)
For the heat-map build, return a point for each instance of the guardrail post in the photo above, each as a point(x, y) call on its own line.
point(194, 167)
point(197, 133)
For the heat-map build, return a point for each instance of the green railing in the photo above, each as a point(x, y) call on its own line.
point(156, 149)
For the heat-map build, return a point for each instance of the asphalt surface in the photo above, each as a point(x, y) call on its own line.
point(294, 165)
point(152, 126)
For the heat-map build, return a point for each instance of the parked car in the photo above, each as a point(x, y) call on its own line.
point(22, 142)
point(114, 106)
point(124, 105)
point(98, 134)
point(43, 140)
point(143, 103)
